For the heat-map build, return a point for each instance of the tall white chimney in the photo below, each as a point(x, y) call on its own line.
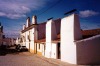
point(34, 20)
point(24, 26)
point(28, 22)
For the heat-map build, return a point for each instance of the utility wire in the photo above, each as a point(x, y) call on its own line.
point(50, 7)
point(43, 12)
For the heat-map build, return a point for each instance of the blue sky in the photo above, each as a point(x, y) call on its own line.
point(13, 13)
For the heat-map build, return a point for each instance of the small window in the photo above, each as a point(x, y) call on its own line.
point(39, 46)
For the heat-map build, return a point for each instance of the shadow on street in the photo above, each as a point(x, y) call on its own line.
point(10, 50)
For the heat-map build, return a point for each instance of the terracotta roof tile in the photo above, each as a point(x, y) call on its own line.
point(90, 33)
point(41, 40)
point(28, 28)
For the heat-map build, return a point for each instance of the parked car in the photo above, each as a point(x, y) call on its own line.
point(23, 49)
point(18, 47)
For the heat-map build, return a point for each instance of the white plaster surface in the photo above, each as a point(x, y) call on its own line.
point(70, 31)
point(54, 51)
point(50, 35)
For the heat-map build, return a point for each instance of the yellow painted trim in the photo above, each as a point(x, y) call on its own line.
point(34, 51)
point(39, 53)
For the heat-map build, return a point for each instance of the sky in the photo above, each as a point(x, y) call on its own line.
point(13, 13)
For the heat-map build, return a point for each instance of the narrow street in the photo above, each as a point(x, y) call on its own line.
point(14, 58)
point(28, 59)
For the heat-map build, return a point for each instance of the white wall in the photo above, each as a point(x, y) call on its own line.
point(27, 41)
point(41, 48)
point(23, 39)
point(50, 35)
point(32, 39)
point(88, 51)
point(54, 51)
point(29, 44)
point(48, 39)
point(70, 31)
point(17, 41)
point(30, 35)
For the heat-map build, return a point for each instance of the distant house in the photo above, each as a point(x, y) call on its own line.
point(62, 39)
point(4, 40)
point(9, 41)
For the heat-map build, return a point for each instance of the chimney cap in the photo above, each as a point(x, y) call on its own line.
point(34, 16)
point(50, 18)
point(71, 11)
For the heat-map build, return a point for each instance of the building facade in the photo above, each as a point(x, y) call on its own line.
point(60, 39)
point(28, 34)
point(4, 40)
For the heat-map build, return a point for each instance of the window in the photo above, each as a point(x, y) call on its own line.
point(39, 46)
point(28, 37)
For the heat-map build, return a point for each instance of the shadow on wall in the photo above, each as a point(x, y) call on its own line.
point(88, 51)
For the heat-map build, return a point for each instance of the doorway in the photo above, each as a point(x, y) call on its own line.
point(35, 48)
point(58, 51)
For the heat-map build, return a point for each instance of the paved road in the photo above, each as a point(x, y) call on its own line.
point(13, 58)
point(28, 59)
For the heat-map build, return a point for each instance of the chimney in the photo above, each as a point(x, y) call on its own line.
point(1, 28)
point(34, 20)
point(24, 26)
point(28, 22)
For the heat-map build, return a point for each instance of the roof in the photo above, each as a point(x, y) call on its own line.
point(28, 28)
point(42, 31)
point(44, 40)
point(90, 33)
point(85, 34)
point(40, 41)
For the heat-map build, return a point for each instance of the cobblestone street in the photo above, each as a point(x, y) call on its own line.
point(28, 59)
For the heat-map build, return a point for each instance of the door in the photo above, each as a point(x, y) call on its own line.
point(59, 51)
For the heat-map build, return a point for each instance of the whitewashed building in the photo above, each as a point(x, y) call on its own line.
point(61, 39)
point(52, 39)
point(74, 48)
point(28, 34)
